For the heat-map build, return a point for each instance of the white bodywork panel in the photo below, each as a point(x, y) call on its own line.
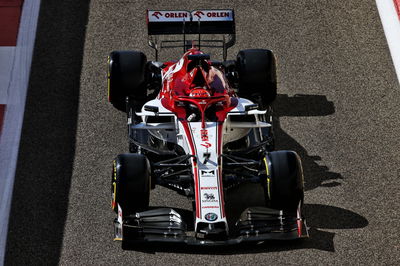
point(204, 144)
point(209, 190)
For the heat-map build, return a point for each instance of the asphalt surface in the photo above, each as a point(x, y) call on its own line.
point(338, 108)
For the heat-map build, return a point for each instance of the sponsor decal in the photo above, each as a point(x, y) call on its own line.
point(157, 14)
point(198, 14)
point(168, 16)
point(212, 15)
point(176, 15)
point(218, 14)
point(211, 216)
point(182, 15)
point(208, 173)
point(207, 144)
point(209, 188)
point(209, 196)
point(204, 134)
point(204, 137)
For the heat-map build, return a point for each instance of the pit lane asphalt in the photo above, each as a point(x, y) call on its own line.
point(344, 123)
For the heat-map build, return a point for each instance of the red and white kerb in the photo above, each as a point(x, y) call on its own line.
point(10, 13)
point(397, 6)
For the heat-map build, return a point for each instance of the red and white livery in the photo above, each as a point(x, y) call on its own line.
point(202, 128)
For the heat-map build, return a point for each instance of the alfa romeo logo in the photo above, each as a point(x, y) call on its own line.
point(211, 216)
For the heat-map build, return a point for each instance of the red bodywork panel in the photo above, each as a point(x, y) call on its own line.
point(202, 85)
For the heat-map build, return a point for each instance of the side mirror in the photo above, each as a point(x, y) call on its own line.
point(150, 108)
point(251, 107)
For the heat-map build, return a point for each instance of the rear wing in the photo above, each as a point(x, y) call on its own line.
point(165, 22)
point(173, 22)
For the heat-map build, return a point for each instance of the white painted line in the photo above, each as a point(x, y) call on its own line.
point(6, 64)
point(391, 26)
point(11, 133)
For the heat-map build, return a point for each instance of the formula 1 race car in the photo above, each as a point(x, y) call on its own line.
point(202, 128)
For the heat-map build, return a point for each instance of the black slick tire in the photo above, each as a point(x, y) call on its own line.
point(257, 75)
point(126, 77)
point(131, 182)
point(285, 187)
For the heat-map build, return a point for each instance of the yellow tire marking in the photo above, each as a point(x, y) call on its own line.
point(113, 203)
point(115, 170)
point(268, 178)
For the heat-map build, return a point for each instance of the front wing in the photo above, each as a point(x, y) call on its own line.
point(254, 225)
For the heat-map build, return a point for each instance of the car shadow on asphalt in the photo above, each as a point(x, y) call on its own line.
point(322, 220)
point(302, 105)
point(47, 149)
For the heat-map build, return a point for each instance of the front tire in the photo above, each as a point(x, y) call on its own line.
point(284, 187)
point(131, 182)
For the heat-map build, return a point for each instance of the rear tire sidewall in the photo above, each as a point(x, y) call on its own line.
point(257, 75)
point(126, 77)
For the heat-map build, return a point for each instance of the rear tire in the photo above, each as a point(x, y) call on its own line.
point(257, 75)
point(130, 185)
point(285, 189)
point(126, 77)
